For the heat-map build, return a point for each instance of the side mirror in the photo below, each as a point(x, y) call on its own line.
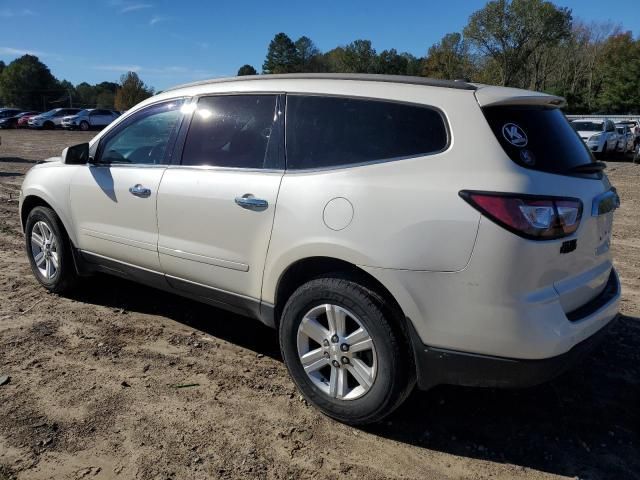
point(76, 155)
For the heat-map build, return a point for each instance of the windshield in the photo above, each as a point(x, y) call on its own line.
point(538, 138)
point(587, 126)
point(50, 113)
point(620, 129)
point(81, 113)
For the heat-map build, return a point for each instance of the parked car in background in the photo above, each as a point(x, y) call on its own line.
point(12, 122)
point(9, 112)
point(23, 121)
point(91, 118)
point(599, 134)
point(634, 126)
point(626, 139)
point(384, 252)
point(51, 119)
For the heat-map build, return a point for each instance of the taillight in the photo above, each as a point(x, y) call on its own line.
point(530, 216)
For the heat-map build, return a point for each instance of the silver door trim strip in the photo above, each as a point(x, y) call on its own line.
point(216, 262)
point(116, 239)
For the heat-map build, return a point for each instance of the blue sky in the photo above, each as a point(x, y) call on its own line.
point(175, 41)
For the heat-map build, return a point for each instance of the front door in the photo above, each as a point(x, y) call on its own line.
point(216, 208)
point(113, 199)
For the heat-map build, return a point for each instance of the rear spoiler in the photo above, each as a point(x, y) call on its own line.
point(502, 96)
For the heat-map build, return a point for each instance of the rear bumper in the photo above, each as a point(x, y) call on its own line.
point(436, 366)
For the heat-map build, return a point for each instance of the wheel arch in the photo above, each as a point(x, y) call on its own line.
point(306, 269)
point(34, 200)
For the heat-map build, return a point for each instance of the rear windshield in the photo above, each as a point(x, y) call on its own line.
point(587, 126)
point(538, 138)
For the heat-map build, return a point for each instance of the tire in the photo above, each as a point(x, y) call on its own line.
point(56, 248)
point(388, 360)
point(84, 126)
point(48, 126)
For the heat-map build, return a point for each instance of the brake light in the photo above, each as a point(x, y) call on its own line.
point(530, 216)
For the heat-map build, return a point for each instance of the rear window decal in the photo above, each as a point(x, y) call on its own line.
point(514, 135)
point(527, 157)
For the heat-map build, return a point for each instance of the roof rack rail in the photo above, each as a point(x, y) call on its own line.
point(366, 77)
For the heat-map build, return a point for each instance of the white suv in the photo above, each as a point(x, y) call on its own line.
point(394, 229)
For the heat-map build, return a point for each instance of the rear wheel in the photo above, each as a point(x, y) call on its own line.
point(49, 251)
point(344, 352)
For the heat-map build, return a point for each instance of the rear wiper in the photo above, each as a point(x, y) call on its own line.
point(592, 167)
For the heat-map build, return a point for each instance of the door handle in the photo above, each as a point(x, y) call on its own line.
point(250, 202)
point(140, 191)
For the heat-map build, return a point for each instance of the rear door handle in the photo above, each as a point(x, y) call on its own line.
point(250, 202)
point(140, 191)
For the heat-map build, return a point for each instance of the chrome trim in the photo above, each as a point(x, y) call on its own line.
point(249, 202)
point(140, 191)
point(226, 169)
point(216, 262)
point(605, 202)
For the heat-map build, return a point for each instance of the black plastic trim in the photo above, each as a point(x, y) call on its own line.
point(611, 290)
point(87, 263)
point(438, 366)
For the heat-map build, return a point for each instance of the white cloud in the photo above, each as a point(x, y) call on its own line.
point(119, 68)
point(157, 19)
point(7, 13)
point(135, 6)
point(20, 51)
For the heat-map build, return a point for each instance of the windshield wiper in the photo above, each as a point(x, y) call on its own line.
point(593, 167)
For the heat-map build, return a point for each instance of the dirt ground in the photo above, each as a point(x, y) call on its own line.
point(95, 379)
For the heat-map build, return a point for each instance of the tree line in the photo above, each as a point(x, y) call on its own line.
point(530, 44)
point(28, 83)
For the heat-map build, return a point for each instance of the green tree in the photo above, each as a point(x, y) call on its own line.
point(246, 70)
point(281, 55)
point(359, 57)
point(390, 62)
point(449, 59)
point(27, 83)
point(131, 92)
point(510, 31)
point(621, 74)
point(307, 56)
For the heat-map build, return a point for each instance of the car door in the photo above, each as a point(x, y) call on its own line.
point(216, 206)
point(113, 199)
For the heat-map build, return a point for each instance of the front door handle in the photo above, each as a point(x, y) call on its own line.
point(140, 191)
point(250, 202)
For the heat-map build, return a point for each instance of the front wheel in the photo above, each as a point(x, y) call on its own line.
point(49, 251)
point(344, 351)
point(84, 126)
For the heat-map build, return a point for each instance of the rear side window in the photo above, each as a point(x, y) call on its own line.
point(337, 131)
point(231, 131)
point(538, 138)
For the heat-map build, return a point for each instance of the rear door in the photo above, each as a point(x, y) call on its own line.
point(216, 207)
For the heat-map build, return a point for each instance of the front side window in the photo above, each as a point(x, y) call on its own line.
point(336, 131)
point(143, 139)
point(231, 131)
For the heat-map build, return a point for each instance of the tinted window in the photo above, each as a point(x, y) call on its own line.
point(587, 126)
point(334, 131)
point(538, 138)
point(231, 131)
point(143, 139)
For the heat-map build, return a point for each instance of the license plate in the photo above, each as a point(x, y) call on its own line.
point(605, 224)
